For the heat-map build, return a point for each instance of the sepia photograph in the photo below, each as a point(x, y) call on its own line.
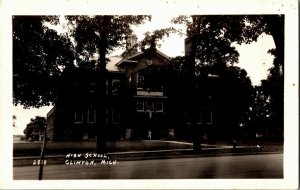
point(120, 97)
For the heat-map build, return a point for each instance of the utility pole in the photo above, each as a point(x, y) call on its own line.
point(42, 162)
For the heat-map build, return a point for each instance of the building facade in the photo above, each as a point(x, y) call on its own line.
point(132, 98)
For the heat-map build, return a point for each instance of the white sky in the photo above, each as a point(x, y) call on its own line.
point(253, 58)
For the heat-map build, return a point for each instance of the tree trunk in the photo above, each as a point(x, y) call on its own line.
point(197, 138)
point(102, 131)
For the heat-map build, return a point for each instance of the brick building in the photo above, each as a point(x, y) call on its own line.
point(127, 101)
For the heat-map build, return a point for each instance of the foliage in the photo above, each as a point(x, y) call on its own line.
point(36, 126)
point(232, 91)
point(39, 55)
point(152, 39)
point(211, 38)
point(100, 34)
point(235, 96)
point(273, 88)
point(213, 35)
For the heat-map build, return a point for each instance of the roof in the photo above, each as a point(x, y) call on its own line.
point(140, 53)
point(162, 54)
point(111, 65)
point(115, 61)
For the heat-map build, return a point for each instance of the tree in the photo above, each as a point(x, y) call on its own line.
point(211, 39)
point(39, 56)
point(255, 120)
point(152, 39)
point(235, 96)
point(100, 34)
point(213, 36)
point(272, 87)
point(35, 127)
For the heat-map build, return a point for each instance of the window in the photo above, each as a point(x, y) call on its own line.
point(149, 61)
point(92, 87)
point(139, 106)
point(78, 117)
point(91, 115)
point(178, 116)
point(115, 87)
point(199, 118)
point(146, 106)
point(78, 88)
point(159, 107)
point(188, 118)
point(140, 81)
point(207, 116)
point(149, 106)
point(106, 87)
point(115, 116)
point(106, 116)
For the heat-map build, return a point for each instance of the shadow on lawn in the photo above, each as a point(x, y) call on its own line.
point(34, 149)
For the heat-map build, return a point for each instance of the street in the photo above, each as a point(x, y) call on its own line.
point(212, 167)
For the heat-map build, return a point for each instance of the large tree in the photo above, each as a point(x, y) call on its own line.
point(211, 41)
point(213, 36)
point(100, 34)
point(39, 56)
point(35, 127)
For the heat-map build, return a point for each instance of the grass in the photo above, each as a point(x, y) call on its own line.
point(52, 148)
point(34, 149)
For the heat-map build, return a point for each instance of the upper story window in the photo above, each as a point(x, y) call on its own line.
point(149, 61)
point(92, 87)
point(159, 106)
point(139, 106)
point(115, 87)
point(78, 88)
point(106, 87)
point(140, 81)
point(149, 106)
point(115, 116)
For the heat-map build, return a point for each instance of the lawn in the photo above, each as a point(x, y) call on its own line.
point(24, 149)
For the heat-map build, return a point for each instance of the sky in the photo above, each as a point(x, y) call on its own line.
point(253, 58)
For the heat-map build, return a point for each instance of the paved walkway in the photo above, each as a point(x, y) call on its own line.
point(205, 145)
